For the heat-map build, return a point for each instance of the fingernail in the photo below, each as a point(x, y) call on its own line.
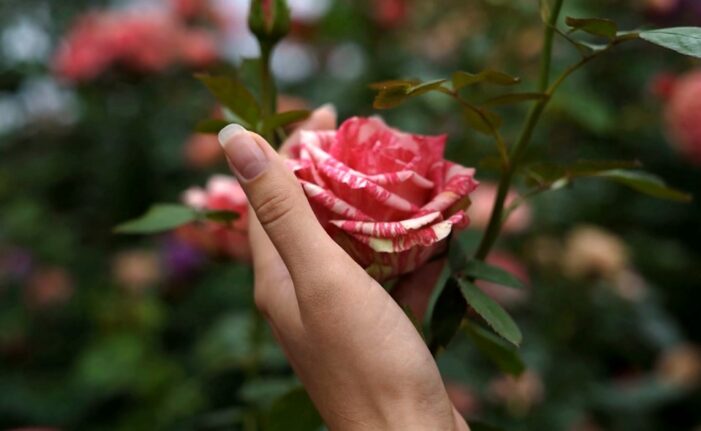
point(328, 107)
point(243, 152)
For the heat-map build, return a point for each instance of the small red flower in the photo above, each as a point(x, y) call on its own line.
point(683, 116)
point(223, 193)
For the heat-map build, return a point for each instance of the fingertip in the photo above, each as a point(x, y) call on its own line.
point(323, 118)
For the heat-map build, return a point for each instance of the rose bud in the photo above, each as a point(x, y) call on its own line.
point(463, 397)
point(387, 197)
point(269, 20)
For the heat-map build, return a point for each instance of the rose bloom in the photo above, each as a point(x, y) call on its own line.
point(683, 116)
point(140, 41)
point(223, 193)
point(481, 209)
point(387, 197)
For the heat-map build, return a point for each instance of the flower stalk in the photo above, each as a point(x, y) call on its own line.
point(494, 226)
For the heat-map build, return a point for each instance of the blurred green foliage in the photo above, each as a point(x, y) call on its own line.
point(186, 352)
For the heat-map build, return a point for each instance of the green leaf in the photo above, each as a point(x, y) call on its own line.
point(234, 95)
point(394, 83)
point(159, 218)
point(492, 313)
point(508, 99)
point(484, 271)
point(293, 411)
point(395, 92)
point(221, 216)
point(503, 354)
point(425, 87)
point(685, 40)
point(447, 315)
point(211, 125)
point(645, 183)
point(596, 26)
point(283, 119)
point(481, 120)
point(545, 173)
point(390, 98)
point(463, 79)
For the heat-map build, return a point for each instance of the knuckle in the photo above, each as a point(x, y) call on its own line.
point(274, 208)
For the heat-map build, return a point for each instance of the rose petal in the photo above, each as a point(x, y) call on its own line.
point(330, 201)
point(371, 146)
point(386, 229)
point(456, 182)
point(342, 174)
point(401, 177)
point(422, 237)
point(388, 265)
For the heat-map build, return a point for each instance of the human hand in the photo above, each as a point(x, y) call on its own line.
point(360, 358)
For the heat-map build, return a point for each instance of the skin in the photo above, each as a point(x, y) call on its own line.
point(360, 358)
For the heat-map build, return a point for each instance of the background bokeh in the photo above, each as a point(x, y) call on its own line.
point(101, 331)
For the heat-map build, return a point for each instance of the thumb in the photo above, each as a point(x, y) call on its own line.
point(278, 201)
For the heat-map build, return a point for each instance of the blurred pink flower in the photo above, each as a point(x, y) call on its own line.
point(223, 193)
point(464, 399)
point(683, 116)
point(49, 287)
point(593, 251)
point(680, 366)
point(520, 393)
point(136, 269)
point(390, 13)
point(202, 151)
point(662, 7)
point(189, 9)
point(481, 209)
point(198, 48)
point(506, 296)
point(140, 41)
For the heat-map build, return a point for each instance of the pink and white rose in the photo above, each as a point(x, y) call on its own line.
point(389, 198)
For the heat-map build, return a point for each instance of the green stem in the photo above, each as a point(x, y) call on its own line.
point(495, 220)
point(546, 60)
point(268, 90)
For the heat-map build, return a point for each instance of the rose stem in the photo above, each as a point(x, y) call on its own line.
point(494, 226)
